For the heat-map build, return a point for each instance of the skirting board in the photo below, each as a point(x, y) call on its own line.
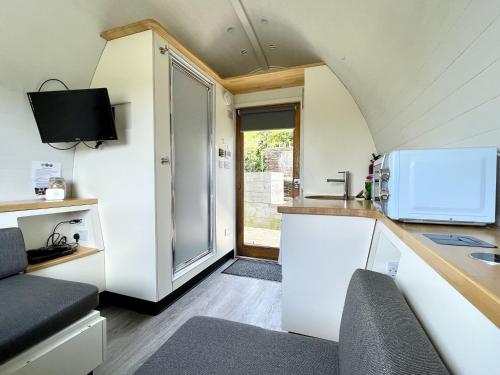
point(154, 308)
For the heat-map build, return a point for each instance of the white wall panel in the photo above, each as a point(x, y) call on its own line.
point(39, 41)
point(20, 145)
point(121, 173)
point(453, 94)
point(276, 96)
point(335, 135)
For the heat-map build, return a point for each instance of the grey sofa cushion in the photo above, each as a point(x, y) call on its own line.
point(33, 308)
point(379, 334)
point(12, 252)
point(204, 346)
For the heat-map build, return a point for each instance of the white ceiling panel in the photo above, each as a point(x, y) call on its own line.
point(283, 43)
point(200, 25)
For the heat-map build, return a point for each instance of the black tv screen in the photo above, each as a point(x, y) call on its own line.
point(73, 115)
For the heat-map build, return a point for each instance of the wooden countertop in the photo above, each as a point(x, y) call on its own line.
point(339, 207)
point(41, 204)
point(478, 282)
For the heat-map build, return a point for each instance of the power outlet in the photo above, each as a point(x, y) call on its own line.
point(391, 268)
point(84, 234)
point(227, 232)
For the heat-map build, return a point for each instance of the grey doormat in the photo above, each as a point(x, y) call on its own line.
point(256, 269)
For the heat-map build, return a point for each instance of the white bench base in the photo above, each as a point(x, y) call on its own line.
point(76, 350)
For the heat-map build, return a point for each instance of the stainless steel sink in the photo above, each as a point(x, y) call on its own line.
point(328, 197)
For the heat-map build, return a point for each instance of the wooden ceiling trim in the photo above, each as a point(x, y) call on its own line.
point(290, 77)
point(277, 79)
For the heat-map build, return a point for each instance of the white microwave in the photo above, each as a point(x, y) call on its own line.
point(445, 186)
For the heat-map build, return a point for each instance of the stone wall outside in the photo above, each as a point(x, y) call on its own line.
point(264, 192)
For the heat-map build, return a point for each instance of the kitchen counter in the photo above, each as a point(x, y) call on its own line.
point(478, 282)
point(306, 206)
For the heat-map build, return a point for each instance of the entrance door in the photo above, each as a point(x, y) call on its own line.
point(267, 154)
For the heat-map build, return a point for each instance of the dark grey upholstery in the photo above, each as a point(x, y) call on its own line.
point(206, 346)
point(33, 308)
point(12, 252)
point(379, 334)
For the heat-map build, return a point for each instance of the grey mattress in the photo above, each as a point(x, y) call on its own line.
point(204, 346)
point(33, 308)
point(12, 252)
point(379, 334)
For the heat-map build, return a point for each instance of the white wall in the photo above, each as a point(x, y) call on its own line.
point(20, 145)
point(225, 185)
point(39, 41)
point(454, 98)
point(277, 96)
point(336, 136)
point(132, 186)
point(118, 170)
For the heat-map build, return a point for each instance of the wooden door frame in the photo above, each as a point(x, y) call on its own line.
point(264, 252)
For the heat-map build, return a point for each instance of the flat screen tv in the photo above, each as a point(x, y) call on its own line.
point(73, 115)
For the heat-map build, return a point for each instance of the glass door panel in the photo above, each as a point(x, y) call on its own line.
point(191, 166)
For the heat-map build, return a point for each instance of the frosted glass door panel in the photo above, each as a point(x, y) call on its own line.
point(191, 167)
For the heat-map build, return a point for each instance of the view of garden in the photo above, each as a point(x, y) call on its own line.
point(268, 179)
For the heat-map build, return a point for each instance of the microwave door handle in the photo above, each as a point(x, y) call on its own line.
point(378, 180)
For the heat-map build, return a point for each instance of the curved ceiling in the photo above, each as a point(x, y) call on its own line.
point(386, 52)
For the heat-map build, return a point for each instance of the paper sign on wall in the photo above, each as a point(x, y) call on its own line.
point(41, 172)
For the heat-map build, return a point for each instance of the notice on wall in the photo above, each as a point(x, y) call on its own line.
point(41, 172)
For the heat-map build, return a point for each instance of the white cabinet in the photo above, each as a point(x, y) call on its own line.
point(89, 269)
point(77, 350)
point(319, 255)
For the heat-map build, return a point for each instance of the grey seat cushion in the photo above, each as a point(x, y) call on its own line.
point(379, 334)
point(33, 308)
point(204, 346)
point(12, 252)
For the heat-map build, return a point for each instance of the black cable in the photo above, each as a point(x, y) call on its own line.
point(57, 239)
point(53, 79)
point(64, 149)
point(97, 144)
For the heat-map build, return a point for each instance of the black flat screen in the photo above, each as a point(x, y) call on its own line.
point(73, 115)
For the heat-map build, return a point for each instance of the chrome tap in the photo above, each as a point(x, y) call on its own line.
point(345, 180)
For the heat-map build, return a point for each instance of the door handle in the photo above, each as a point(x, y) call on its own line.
point(384, 195)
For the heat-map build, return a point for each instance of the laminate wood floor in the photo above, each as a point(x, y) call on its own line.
point(133, 337)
